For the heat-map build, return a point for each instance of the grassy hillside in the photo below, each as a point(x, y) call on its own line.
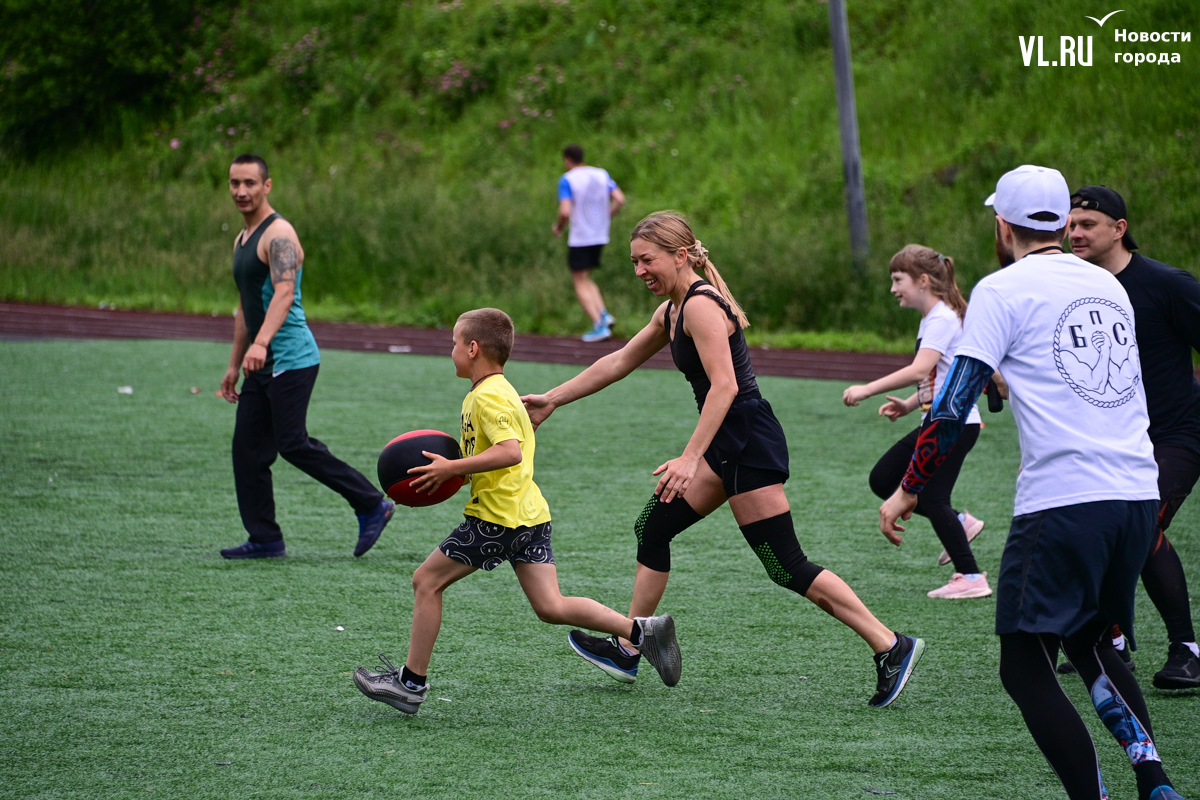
point(415, 146)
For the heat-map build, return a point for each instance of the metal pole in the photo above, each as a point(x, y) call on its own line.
point(856, 201)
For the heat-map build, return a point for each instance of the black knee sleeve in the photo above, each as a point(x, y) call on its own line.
point(656, 526)
point(774, 541)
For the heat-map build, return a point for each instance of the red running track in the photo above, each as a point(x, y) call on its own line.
point(25, 321)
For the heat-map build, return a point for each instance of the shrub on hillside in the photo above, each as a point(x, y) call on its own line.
point(72, 69)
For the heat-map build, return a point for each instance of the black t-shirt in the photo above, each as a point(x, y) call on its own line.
point(1166, 315)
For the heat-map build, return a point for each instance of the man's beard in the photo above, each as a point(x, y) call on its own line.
point(1003, 254)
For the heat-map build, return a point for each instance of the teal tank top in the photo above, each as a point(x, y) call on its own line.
point(293, 346)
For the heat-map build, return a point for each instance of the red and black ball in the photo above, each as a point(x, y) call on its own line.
point(405, 452)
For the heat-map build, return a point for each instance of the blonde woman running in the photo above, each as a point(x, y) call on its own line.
point(737, 453)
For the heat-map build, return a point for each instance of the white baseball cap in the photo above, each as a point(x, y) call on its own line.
point(1028, 190)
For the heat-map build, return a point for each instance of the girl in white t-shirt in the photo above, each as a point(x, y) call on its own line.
point(923, 279)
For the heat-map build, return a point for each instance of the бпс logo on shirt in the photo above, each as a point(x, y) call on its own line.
point(1096, 353)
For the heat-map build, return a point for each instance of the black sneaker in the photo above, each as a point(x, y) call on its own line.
point(605, 654)
point(1067, 668)
point(894, 667)
point(660, 647)
point(256, 550)
point(386, 687)
point(1182, 670)
point(371, 525)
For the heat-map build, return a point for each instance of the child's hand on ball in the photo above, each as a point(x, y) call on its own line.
point(434, 474)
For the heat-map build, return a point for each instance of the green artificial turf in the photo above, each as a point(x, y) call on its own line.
point(135, 662)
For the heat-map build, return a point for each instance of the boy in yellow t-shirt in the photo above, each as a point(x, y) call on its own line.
point(506, 519)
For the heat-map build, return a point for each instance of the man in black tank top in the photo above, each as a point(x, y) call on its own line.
point(1166, 308)
point(276, 352)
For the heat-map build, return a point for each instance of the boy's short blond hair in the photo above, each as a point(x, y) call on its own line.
point(491, 329)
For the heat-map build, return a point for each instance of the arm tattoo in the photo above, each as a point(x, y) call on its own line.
point(966, 380)
point(283, 260)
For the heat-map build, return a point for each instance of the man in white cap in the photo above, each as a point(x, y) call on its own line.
point(1061, 332)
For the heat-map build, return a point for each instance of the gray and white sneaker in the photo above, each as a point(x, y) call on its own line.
point(660, 647)
point(387, 688)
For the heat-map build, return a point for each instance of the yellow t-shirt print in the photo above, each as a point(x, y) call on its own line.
point(492, 413)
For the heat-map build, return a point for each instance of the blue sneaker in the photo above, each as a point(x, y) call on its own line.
point(894, 667)
point(598, 334)
point(371, 525)
point(256, 550)
point(605, 654)
point(1165, 793)
point(607, 319)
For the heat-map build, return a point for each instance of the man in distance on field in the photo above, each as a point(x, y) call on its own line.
point(587, 199)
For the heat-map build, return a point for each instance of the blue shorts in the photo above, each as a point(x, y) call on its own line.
point(1063, 566)
point(487, 545)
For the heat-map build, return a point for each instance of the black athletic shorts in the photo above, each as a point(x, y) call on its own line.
point(487, 545)
point(749, 450)
point(1063, 566)
point(1178, 470)
point(584, 258)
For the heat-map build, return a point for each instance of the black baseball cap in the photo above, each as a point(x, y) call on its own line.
point(1106, 201)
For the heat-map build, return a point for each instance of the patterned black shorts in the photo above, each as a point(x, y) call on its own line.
point(487, 545)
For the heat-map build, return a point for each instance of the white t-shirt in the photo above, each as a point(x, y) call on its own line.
point(940, 330)
point(588, 189)
point(1060, 331)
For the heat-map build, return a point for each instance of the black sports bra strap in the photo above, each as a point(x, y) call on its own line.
point(693, 290)
point(698, 286)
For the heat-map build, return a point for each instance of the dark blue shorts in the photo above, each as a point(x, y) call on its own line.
point(1063, 566)
point(749, 450)
point(487, 545)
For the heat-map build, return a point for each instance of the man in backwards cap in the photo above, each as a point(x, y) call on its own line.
point(1166, 308)
point(1061, 333)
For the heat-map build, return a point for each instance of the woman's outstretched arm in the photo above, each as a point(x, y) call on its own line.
point(606, 371)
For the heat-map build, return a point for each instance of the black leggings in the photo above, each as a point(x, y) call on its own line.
point(1027, 672)
point(1163, 576)
point(934, 500)
point(270, 422)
